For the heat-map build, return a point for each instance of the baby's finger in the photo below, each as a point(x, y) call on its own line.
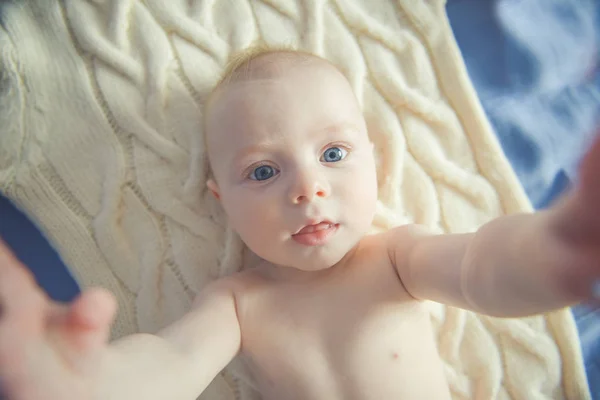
point(22, 318)
point(20, 294)
point(94, 309)
point(589, 171)
point(81, 329)
point(88, 320)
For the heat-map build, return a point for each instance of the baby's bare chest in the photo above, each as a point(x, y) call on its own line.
point(358, 337)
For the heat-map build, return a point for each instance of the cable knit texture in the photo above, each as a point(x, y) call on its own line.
point(101, 144)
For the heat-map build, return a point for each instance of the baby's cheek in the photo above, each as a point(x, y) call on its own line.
point(259, 226)
point(237, 211)
point(361, 183)
point(250, 215)
point(362, 194)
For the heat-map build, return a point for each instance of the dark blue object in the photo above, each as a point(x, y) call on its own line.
point(34, 251)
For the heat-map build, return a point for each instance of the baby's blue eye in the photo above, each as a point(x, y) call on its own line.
point(334, 154)
point(263, 173)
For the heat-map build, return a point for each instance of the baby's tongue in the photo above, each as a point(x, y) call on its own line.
point(313, 228)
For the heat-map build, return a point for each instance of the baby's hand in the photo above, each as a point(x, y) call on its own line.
point(578, 219)
point(48, 350)
point(589, 190)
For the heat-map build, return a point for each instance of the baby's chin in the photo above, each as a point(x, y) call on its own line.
point(304, 269)
point(313, 259)
point(304, 264)
point(315, 265)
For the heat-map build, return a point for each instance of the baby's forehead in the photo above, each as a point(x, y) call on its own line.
point(267, 75)
point(273, 65)
point(236, 98)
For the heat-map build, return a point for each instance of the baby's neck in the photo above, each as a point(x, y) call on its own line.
point(290, 274)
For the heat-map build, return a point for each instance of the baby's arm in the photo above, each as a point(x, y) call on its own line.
point(180, 361)
point(54, 351)
point(515, 265)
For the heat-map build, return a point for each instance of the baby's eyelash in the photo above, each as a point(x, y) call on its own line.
point(344, 145)
point(247, 172)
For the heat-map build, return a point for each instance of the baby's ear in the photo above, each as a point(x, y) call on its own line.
point(214, 189)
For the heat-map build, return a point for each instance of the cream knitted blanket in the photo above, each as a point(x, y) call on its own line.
point(100, 116)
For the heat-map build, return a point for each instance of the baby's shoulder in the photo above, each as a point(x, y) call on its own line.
point(245, 283)
point(385, 247)
point(383, 241)
point(403, 236)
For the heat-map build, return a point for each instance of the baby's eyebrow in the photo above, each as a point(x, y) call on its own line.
point(255, 148)
point(265, 147)
point(340, 126)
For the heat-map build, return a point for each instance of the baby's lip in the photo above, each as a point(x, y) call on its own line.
point(314, 226)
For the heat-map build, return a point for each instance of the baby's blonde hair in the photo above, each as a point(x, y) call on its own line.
point(239, 67)
point(240, 62)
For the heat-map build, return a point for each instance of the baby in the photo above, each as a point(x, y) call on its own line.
point(329, 312)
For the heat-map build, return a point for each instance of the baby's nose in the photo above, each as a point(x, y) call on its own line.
point(309, 196)
point(309, 186)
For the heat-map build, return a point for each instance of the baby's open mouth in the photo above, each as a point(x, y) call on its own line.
point(321, 226)
point(316, 234)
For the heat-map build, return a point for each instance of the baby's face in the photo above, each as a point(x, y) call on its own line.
point(293, 165)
